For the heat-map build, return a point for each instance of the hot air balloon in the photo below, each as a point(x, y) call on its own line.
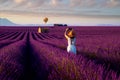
point(45, 19)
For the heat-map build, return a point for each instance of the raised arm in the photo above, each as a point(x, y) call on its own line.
point(65, 34)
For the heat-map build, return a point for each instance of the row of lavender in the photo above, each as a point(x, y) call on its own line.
point(17, 62)
point(12, 49)
point(53, 61)
point(99, 44)
point(68, 66)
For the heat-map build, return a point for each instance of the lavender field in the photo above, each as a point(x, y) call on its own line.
point(26, 54)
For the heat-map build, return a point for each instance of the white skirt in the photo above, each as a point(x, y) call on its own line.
point(71, 48)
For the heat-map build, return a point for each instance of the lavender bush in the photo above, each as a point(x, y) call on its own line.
point(28, 55)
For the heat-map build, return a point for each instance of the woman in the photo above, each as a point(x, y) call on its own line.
point(70, 36)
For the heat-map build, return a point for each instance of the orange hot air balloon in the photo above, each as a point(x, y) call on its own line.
point(45, 19)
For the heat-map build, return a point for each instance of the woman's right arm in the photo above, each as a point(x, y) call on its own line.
point(65, 34)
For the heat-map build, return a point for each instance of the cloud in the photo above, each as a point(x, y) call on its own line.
point(36, 3)
point(90, 3)
point(3, 1)
point(95, 3)
point(7, 4)
point(60, 7)
point(49, 13)
point(21, 4)
point(29, 3)
point(18, 1)
point(74, 3)
point(55, 2)
point(59, 3)
point(86, 3)
point(113, 4)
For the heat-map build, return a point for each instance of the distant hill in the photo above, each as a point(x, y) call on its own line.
point(6, 22)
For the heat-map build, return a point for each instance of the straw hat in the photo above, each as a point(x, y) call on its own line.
point(71, 33)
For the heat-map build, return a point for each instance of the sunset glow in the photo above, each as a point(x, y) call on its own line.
point(61, 11)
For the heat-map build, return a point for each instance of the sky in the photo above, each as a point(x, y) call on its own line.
point(61, 11)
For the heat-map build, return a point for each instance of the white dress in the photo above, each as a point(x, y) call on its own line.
point(71, 45)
